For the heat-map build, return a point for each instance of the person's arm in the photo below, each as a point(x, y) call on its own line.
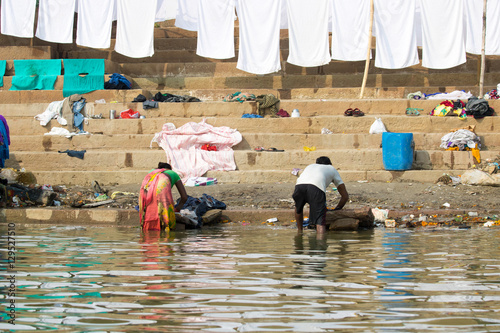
point(182, 193)
point(344, 196)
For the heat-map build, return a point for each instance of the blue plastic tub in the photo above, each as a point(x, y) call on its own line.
point(397, 150)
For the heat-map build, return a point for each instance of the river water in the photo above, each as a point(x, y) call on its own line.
point(251, 278)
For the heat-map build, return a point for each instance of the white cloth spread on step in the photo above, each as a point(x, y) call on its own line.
point(18, 18)
point(474, 17)
point(443, 33)
point(350, 28)
point(135, 33)
point(187, 15)
point(166, 10)
point(216, 29)
point(54, 110)
point(309, 44)
point(94, 23)
point(396, 48)
point(55, 20)
point(259, 50)
point(184, 153)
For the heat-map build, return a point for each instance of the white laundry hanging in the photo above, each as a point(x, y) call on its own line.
point(55, 20)
point(187, 15)
point(443, 40)
point(350, 29)
point(18, 17)
point(216, 29)
point(259, 50)
point(396, 48)
point(474, 18)
point(135, 33)
point(309, 44)
point(95, 18)
point(166, 10)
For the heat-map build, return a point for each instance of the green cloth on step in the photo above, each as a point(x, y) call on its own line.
point(82, 76)
point(35, 74)
point(3, 64)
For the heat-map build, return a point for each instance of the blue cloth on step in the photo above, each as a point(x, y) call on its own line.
point(82, 76)
point(35, 74)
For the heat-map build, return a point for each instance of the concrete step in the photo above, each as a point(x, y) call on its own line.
point(47, 96)
point(302, 125)
point(13, 52)
point(307, 108)
point(423, 141)
point(105, 178)
point(343, 159)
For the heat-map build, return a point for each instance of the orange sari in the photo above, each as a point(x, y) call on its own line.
point(156, 205)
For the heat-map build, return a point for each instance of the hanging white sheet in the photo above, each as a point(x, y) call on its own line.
point(135, 33)
point(216, 29)
point(55, 20)
point(309, 44)
point(474, 17)
point(443, 39)
point(259, 51)
point(396, 41)
point(187, 15)
point(95, 18)
point(18, 17)
point(166, 10)
point(350, 28)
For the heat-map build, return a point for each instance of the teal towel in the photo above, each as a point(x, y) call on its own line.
point(82, 76)
point(36, 74)
point(3, 64)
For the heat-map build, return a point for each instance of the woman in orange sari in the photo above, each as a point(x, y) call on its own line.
point(156, 204)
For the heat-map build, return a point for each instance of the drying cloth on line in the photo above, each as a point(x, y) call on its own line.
point(308, 32)
point(396, 48)
point(3, 65)
point(166, 10)
point(187, 15)
point(259, 51)
point(215, 29)
point(55, 20)
point(135, 40)
point(445, 49)
point(18, 18)
point(474, 17)
point(350, 44)
point(74, 153)
point(183, 148)
point(95, 18)
point(93, 79)
point(35, 74)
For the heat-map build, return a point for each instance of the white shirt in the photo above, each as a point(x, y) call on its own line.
point(320, 175)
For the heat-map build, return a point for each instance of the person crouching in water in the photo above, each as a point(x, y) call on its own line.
point(156, 204)
point(311, 188)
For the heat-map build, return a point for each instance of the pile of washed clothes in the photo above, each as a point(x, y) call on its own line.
point(163, 98)
point(195, 208)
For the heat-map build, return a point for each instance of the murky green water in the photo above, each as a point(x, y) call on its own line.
point(252, 279)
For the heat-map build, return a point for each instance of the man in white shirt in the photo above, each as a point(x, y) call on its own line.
point(311, 188)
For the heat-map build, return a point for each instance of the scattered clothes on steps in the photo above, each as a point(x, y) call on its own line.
point(239, 97)
point(74, 153)
point(248, 115)
point(267, 104)
point(150, 105)
point(478, 108)
point(450, 108)
point(129, 114)
point(118, 81)
point(170, 98)
point(200, 181)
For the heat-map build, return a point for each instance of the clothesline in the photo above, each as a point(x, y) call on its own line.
point(445, 29)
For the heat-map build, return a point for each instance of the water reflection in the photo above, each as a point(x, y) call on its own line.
point(255, 279)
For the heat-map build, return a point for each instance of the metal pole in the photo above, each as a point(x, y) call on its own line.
point(368, 52)
point(483, 51)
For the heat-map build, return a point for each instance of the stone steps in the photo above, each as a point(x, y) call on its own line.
point(250, 141)
point(146, 159)
point(24, 97)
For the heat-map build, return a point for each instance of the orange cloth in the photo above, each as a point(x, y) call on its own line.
point(156, 205)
